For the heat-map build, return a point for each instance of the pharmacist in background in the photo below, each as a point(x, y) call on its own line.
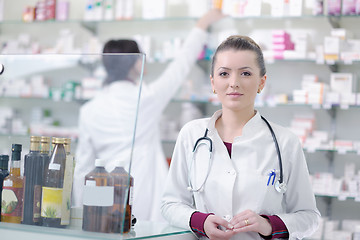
point(105, 127)
point(236, 175)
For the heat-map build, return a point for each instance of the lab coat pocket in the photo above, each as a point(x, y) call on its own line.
point(271, 201)
point(258, 195)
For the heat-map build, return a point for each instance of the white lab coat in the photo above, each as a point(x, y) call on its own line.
point(106, 126)
point(240, 182)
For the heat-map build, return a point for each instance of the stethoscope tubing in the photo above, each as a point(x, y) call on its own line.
point(205, 137)
point(197, 143)
point(277, 148)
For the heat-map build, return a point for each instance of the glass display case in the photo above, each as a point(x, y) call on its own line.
point(48, 190)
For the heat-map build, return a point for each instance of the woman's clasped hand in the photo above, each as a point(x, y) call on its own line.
point(247, 221)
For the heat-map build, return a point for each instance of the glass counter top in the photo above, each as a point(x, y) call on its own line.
point(141, 230)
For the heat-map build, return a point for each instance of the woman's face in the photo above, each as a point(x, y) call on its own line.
point(237, 79)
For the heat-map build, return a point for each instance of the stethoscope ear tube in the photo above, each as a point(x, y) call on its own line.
point(205, 137)
point(277, 149)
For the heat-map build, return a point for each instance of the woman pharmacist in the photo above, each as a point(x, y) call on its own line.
point(105, 130)
point(235, 175)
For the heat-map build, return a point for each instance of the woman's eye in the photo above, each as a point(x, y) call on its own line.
point(223, 74)
point(246, 73)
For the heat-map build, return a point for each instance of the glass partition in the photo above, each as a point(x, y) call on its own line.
point(68, 127)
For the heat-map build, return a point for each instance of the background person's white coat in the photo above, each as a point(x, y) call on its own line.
point(106, 125)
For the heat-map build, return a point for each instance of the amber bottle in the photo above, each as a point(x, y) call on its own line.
point(4, 171)
point(123, 189)
point(98, 199)
point(12, 194)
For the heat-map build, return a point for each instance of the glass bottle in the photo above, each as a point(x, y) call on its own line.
point(68, 180)
point(98, 199)
point(4, 172)
point(45, 150)
point(12, 194)
point(52, 190)
point(123, 189)
point(52, 145)
point(33, 177)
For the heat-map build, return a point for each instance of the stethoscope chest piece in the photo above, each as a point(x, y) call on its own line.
point(1, 68)
point(280, 187)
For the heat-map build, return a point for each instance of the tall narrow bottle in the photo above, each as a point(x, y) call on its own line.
point(98, 199)
point(123, 189)
point(33, 177)
point(45, 150)
point(52, 190)
point(52, 145)
point(45, 156)
point(4, 172)
point(68, 180)
point(12, 194)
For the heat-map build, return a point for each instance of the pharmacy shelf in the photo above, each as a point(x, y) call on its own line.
point(44, 62)
point(41, 99)
point(326, 62)
point(340, 197)
point(308, 150)
point(182, 18)
point(93, 26)
point(205, 100)
point(195, 100)
point(339, 151)
point(313, 106)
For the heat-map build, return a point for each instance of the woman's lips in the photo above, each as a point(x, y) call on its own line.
point(234, 94)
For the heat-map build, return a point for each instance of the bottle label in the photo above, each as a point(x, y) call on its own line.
point(54, 166)
point(8, 184)
point(51, 202)
point(67, 186)
point(101, 196)
point(12, 201)
point(131, 196)
point(37, 203)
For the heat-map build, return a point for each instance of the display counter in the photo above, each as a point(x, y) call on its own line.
point(142, 230)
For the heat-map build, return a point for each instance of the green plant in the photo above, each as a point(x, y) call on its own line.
point(50, 212)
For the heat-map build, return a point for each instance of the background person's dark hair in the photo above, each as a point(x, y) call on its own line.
point(238, 42)
point(118, 66)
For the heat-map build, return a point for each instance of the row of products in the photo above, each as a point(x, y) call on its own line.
point(43, 195)
point(340, 45)
point(45, 10)
point(325, 183)
point(339, 91)
point(330, 229)
point(97, 10)
point(104, 206)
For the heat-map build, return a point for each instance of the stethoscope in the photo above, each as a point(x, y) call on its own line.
point(279, 186)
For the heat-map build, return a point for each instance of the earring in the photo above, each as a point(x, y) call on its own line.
point(259, 91)
point(214, 91)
